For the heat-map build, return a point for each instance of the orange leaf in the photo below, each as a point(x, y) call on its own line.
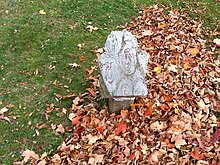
point(172, 47)
point(82, 58)
point(193, 51)
point(124, 113)
point(75, 120)
point(121, 127)
point(164, 106)
point(162, 25)
point(168, 97)
point(186, 66)
point(149, 110)
point(196, 155)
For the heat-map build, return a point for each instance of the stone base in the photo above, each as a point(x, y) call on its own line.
point(116, 104)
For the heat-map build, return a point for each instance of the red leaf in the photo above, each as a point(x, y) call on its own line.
point(196, 155)
point(100, 128)
point(121, 127)
point(82, 58)
point(75, 120)
point(132, 156)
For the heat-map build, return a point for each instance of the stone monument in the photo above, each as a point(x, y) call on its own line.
point(123, 69)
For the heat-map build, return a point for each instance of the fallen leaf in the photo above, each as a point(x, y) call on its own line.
point(93, 139)
point(196, 154)
point(168, 98)
point(157, 69)
point(217, 41)
point(91, 91)
point(201, 105)
point(96, 159)
point(42, 12)
point(59, 96)
point(28, 154)
point(2, 117)
point(124, 113)
point(82, 58)
point(36, 72)
point(172, 47)
point(75, 121)
point(74, 65)
point(60, 129)
point(81, 46)
point(3, 110)
point(172, 68)
point(193, 51)
point(100, 128)
point(156, 126)
point(147, 33)
point(40, 126)
point(56, 160)
point(149, 110)
point(91, 28)
point(90, 71)
point(42, 162)
point(162, 25)
point(120, 128)
point(215, 136)
point(179, 141)
point(153, 158)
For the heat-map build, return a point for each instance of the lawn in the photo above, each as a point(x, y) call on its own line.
point(39, 45)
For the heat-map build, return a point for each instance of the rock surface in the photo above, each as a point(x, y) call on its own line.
point(123, 69)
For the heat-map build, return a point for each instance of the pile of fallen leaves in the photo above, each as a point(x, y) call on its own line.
point(175, 124)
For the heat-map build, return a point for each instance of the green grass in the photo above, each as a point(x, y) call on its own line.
point(31, 41)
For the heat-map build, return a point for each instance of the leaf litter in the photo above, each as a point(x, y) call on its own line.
point(174, 124)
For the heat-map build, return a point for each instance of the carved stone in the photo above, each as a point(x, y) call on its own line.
point(123, 69)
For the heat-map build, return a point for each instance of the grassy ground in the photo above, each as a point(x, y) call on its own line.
point(35, 52)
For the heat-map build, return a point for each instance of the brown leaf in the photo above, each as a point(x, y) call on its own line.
point(59, 96)
point(215, 137)
point(179, 141)
point(91, 91)
point(147, 33)
point(40, 126)
point(93, 139)
point(56, 160)
point(60, 129)
point(90, 71)
point(28, 154)
point(96, 159)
